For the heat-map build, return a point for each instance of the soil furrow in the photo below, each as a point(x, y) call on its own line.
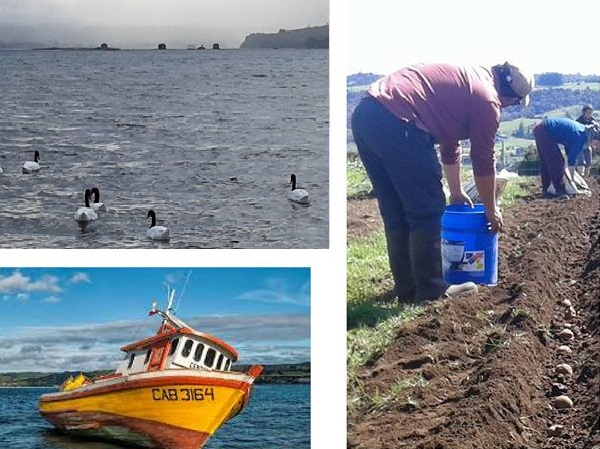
point(486, 367)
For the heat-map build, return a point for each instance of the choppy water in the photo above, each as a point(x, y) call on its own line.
point(165, 130)
point(276, 417)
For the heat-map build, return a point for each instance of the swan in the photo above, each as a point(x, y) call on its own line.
point(97, 205)
point(156, 232)
point(297, 195)
point(32, 166)
point(86, 214)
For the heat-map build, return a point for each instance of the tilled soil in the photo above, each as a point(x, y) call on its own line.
point(485, 367)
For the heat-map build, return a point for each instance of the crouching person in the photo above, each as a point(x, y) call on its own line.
point(551, 132)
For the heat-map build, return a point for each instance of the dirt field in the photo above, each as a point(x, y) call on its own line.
point(487, 365)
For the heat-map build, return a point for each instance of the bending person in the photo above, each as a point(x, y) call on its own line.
point(548, 134)
point(395, 128)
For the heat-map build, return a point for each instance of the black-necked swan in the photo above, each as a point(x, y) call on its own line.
point(97, 205)
point(32, 166)
point(156, 232)
point(86, 214)
point(297, 195)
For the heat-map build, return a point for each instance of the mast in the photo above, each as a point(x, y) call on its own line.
point(168, 316)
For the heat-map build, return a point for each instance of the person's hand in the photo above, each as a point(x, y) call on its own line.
point(494, 218)
point(460, 198)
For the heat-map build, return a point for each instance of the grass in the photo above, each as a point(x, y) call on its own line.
point(357, 181)
point(380, 400)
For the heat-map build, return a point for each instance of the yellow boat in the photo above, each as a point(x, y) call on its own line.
point(172, 391)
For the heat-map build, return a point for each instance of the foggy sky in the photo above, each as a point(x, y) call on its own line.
point(143, 23)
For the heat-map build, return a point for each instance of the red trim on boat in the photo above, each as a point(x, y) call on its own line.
point(166, 333)
point(107, 376)
point(151, 382)
point(164, 435)
point(255, 370)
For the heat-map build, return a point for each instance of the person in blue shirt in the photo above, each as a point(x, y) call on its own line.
point(574, 136)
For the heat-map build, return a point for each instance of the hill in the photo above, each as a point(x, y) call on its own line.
point(311, 37)
point(272, 374)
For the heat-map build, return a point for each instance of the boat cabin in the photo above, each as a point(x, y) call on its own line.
point(182, 348)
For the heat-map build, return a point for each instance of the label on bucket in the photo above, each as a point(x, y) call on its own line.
point(455, 258)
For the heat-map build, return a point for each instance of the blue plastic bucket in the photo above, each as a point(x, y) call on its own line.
point(469, 249)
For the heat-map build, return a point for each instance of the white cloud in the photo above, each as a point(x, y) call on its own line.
point(278, 291)
point(18, 283)
point(258, 339)
point(80, 278)
point(52, 299)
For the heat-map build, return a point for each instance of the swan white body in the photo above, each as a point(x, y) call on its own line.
point(32, 166)
point(157, 232)
point(1, 171)
point(298, 195)
point(86, 214)
point(97, 205)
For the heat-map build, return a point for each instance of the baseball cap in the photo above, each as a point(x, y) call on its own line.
point(521, 82)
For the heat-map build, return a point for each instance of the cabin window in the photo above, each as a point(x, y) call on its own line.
point(220, 361)
point(173, 346)
point(147, 356)
point(210, 357)
point(199, 351)
point(187, 348)
point(227, 365)
point(131, 359)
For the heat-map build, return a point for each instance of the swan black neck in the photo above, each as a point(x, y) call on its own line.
point(152, 215)
point(293, 181)
point(96, 193)
point(36, 156)
point(87, 195)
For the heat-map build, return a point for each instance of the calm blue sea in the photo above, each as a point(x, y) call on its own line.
point(277, 417)
point(207, 139)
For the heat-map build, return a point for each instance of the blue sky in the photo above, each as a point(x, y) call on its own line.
point(57, 319)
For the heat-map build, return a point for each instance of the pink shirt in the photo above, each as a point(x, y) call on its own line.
point(450, 102)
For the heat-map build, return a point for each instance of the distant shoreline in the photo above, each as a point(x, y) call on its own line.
point(296, 373)
point(210, 50)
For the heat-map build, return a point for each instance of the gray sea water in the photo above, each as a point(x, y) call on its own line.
point(207, 139)
point(276, 417)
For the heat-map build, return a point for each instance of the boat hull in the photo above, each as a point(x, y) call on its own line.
point(138, 432)
point(166, 409)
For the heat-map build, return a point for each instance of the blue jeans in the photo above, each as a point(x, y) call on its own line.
point(403, 166)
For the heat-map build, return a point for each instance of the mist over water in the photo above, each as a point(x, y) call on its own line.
point(207, 139)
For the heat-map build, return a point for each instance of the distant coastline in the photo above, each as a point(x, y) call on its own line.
point(297, 373)
point(305, 38)
point(311, 37)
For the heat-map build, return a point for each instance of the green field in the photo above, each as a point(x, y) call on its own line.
point(510, 126)
point(574, 86)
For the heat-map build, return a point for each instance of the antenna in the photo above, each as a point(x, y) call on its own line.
point(171, 296)
point(184, 287)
